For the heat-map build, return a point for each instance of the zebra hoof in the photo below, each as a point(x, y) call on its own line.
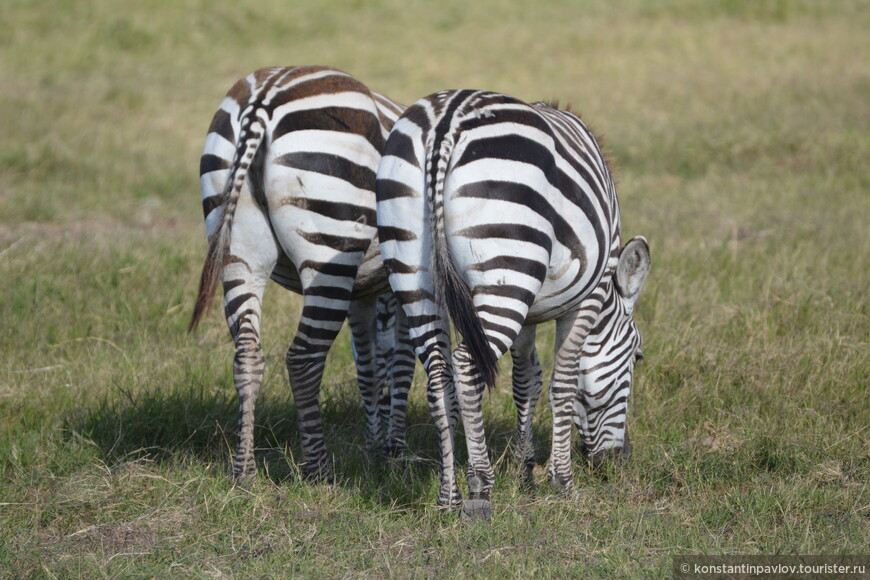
point(477, 507)
point(449, 509)
point(528, 483)
point(476, 510)
point(561, 486)
point(376, 454)
point(613, 458)
point(526, 478)
point(395, 451)
point(244, 477)
point(449, 503)
point(319, 473)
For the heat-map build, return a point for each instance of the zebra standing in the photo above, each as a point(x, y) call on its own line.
point(287, 177)
point(504, 215)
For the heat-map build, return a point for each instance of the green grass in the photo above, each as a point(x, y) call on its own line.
point(740, 134)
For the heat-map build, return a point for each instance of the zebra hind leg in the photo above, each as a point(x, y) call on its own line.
point(527, 388)
point(441, 397)
point(481, 477)
point(431, 343)
point(248, 366)
point(306, 359)
point(242, 299)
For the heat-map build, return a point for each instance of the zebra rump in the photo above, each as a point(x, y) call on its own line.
point(451, 291)
point(253, 130)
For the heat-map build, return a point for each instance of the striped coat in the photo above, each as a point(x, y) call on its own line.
point(287, 178)
point(502, 215)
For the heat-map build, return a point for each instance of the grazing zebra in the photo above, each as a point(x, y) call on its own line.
point(605, 381)
point(504, 215)
point(287, 176)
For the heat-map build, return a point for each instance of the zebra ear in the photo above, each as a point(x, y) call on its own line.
point(632, 268)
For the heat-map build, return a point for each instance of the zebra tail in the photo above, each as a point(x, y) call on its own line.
point(450, 289)
point(219, 240)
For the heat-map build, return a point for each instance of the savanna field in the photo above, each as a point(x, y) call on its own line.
point(740, 135)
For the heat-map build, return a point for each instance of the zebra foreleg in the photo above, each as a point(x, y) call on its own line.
point(400, 376)
point(571, 332)
point(361, 318)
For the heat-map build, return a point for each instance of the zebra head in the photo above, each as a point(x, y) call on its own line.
point(608, 357)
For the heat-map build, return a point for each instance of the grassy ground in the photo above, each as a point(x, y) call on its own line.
point(740, 132)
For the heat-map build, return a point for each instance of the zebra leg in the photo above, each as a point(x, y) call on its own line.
point(385, 323)
point(431, 343)
point(401, 375)
point(319, 325)
point(527, 388)
point(441, 397)
point(571, 332)
point(248, 366)
point(242, 304)
point(361, 317)
point(470, 387)
point(244, 282)
point(385, 318)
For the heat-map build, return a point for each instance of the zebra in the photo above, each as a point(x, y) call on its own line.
point(287, 176)
point(504, 215)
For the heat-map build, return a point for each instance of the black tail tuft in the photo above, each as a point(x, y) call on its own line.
point(208, 281)
point(466, 320)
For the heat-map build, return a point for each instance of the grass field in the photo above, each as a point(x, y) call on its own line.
point(740, 134)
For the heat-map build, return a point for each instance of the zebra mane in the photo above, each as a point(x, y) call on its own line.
point(554, 104)
point(597, 135)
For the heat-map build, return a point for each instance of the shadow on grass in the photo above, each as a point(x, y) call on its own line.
point(167, 426)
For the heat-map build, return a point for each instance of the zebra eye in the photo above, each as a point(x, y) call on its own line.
point(638, 354)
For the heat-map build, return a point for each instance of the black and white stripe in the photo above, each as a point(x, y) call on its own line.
point(606, 374)
point(287, 177)
point(395, 371)
point(504, 215)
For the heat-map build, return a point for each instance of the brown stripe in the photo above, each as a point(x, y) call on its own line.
point(339, 119)
point(223, 126)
